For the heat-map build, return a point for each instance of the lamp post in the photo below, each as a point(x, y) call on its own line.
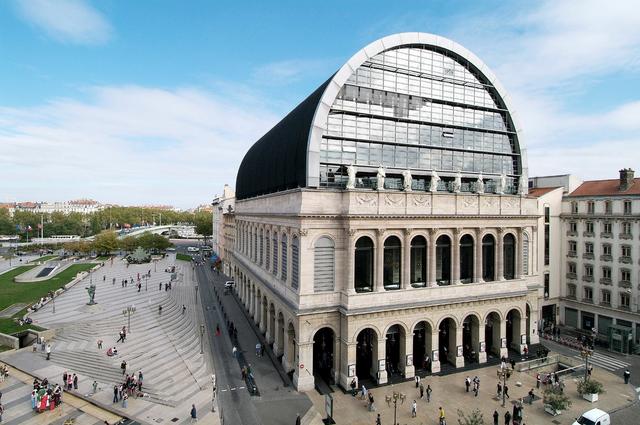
point(146, 282)
point(128, 311)
point(201, 339)
point(196, 294)
point(395, 397)
point(53, 300)
point(504, 374)
point(586, 353)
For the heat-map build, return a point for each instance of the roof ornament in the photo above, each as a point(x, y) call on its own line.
point(480, 185)
point(380, 177)
point(351, 180)
point(502, 184)
point(457, 182)
point(408, 180)
point(522, 185)
point(435, 179)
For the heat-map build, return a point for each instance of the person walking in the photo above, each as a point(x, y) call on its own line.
point(298, 419)
point(372, 406)
point(193, 413)
point(626, 375)
point(121, 339)
point(234, 351)
point(496, 417)
point(417, 379)
point(507, 418)
point(421, 391)
point(125, 400)
point(531, 396)
point(538, 381)
point(353, 386)
point(441, 417)
point(1, 411)
point(184, 308)
point(414, 409)
point(48, 351)
point(94, 387)
point(258, 349)
point(115, 393)
point(123, 366)
point(378, 420)
point(75, 381)
point(428, 391)
point(467, 383)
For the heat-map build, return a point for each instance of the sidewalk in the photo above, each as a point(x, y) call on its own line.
point(449, 392)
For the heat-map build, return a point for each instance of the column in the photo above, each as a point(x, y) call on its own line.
point(347, 359)
point(435, 346)
point(263, 318)
point(382, 355)
point(251, 301)
point(268, 336)
point(519, 253)
point(453, 354)
point(406, 260)
point(407, 350)
point(379, 266)
point(504, 351)
point(455, 257)
point(257, 311)
point(534, 320)
point(478, 257)
point(349, 249)
point(523, 331)
point(500, 255)
point(303, 376)
point(431, 258)
point(276, 337)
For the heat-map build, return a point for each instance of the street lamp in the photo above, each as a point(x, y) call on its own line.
point(53, 300)
point(503, 375)
point(586, 353)
point(196, 294)
point(128, 311)
point(395, 397)
point(213, 395)
point(201, 339)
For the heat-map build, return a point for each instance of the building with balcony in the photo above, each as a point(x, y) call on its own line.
point(383, 226)
point(222, 239)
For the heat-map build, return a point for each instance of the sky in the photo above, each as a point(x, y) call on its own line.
point(156, 101)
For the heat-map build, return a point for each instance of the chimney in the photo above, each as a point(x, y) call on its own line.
point(626, 179)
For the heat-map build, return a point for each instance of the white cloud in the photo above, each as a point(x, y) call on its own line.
point(127, 144)
point(74, 21)
point(292, 70)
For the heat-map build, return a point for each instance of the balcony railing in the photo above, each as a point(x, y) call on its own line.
point(625, 236)
point(572, 233)
point(605, 303)
point(606, 257)
point(587, 300)
point(624, 284)
point(587, 278)
point(588, 256)
point(588, 234)
point(571, 296)
point(624, 307)
point(571, 275)
point(606, 234)
point(605, 281)
point(572, 254)
point(625, 259)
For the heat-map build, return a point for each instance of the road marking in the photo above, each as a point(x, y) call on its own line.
point(605, 362)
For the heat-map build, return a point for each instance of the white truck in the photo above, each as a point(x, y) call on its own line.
point(593, 417)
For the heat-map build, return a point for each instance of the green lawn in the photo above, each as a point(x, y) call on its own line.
point(45, 258)
point(9, 326)
point(28, 292)
point(183, 257)
point(103, 258)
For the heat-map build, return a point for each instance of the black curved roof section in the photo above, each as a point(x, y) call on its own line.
point(278, 160)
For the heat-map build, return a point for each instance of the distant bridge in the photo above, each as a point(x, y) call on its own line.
point(181, 230)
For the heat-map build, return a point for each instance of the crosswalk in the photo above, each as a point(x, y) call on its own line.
point(606, 362)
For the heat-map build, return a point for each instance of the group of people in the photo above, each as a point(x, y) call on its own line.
point(45, 396)
point(4, 372)
point(468, 382)
point(132, 385)
point(70, 381)
point(514, 418)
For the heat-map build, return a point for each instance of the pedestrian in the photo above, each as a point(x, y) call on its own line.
point(184, 308)
point(99, 344)
point(538, 381)
point(441, 417)
point(193, 413)
point(353, 386)
point(531, 396)
point(115, 393)
point(378, 420)
point(125, 400)
point(467, 383)
point(298, 420)
point(421, 391)
point(64, 378)
point(1, 411)
point(414, 409)
point(48, 351)
point(417, 379)
point(234, 351)
point(428, 393)
point(261, 350)
point(626, 375)
point(123, 366)
point(496, 417)
point(94, 387)
point(160, 286)
point(506, 391)
point(75, 381)
point(121, 337)
point(372, 406)
point(476, 388)
point(507, 418)
point(363, 396)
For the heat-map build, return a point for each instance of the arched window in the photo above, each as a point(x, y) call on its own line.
point(443, 260)
point(363, 265)
point(392, 263)
point(295, 261)
point(509, 256)
point(274, 268)
point(418, 262)
point(285, 252)
point(267, 259)
point(324, 265)
point(466, 259)
point(488, 258)
point(525, 254)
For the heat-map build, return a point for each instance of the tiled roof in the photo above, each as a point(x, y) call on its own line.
point(606, 188)
point(536, 192)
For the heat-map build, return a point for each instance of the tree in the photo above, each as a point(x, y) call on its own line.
point(475, 418)
point(106, 242)
point(204, 224)
point(129, 243)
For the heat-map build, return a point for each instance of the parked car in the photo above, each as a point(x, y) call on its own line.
point(593, 417)
point(229, 284)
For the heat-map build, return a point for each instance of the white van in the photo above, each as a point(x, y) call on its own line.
point(594, 417)
point(192, 249)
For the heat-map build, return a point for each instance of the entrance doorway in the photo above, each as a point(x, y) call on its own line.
point(394, 341)
point(366, 354)
point(422, 346)
point(323, 356)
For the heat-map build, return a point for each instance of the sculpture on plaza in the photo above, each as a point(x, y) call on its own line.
point(522, 185)
point(351, 177)
point(407, 180)
point(457, 183)
point(380, 177)
point(502, 184)
point(435, 179)
point(480, 185)
point(91, 290)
